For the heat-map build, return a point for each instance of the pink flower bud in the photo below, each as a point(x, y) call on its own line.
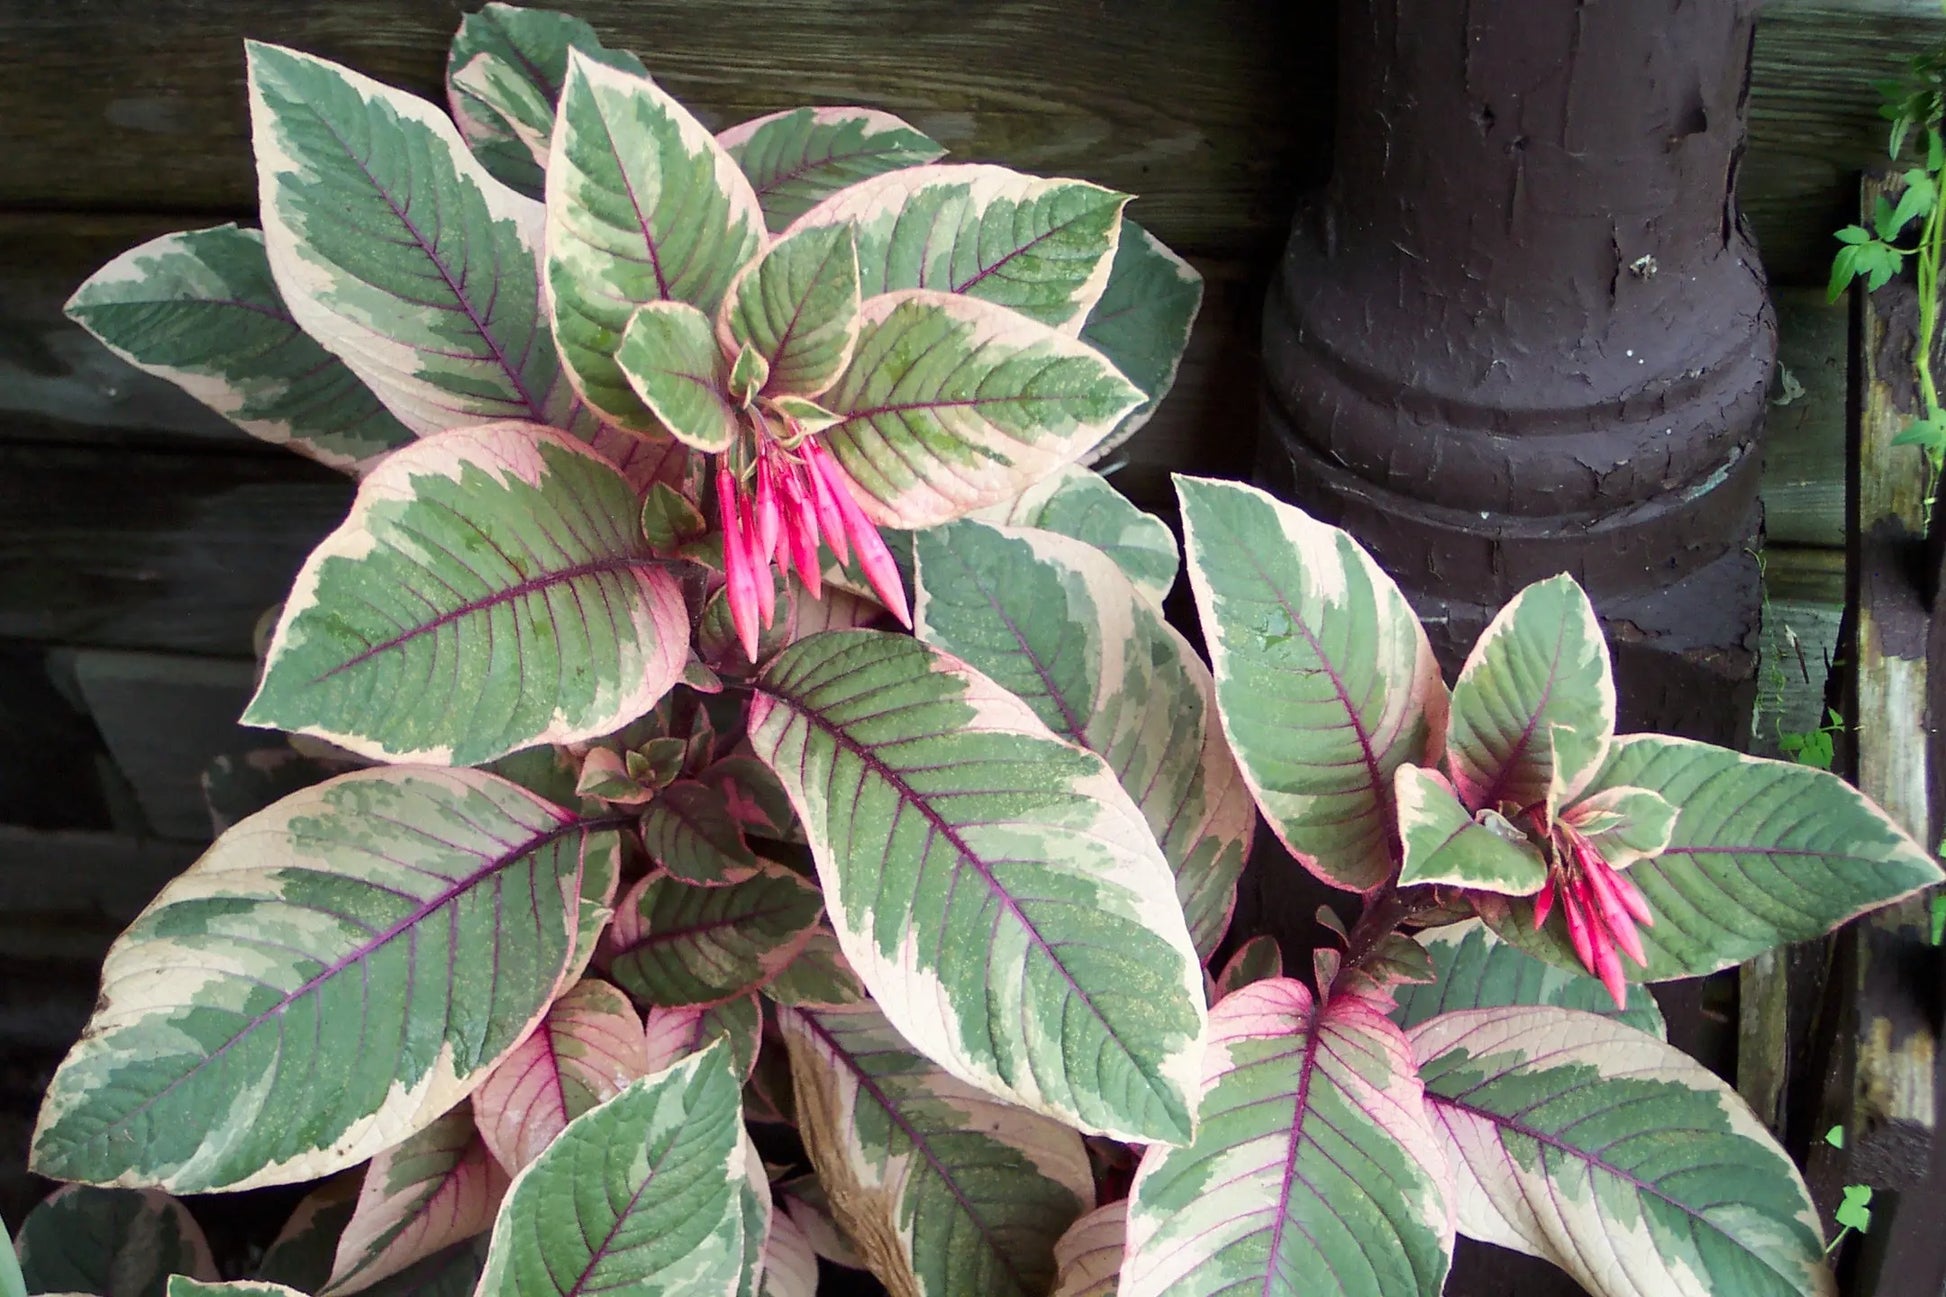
point(1578, 933)
point(1631, 899)
point(762, 584)
point(1614, 915)
point(801, 532)
point(1609, 969)
point(875, 558)
point(738, 589)
point(767, 520)
point(830, 521)
point(1543, 905)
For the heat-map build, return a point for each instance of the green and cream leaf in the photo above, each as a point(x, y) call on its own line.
point(1088, 1258)
point(692, 830)
point(643, 1194)
point(679, 944)
point(201, 310)
point(669, 358)
point(1615, 1156)
point(1055, 622)
point(503, 78)
point(1035, 948)
point(1324, 678)
point(1142, 323)
point(302, 1254)
point(797, 306)
point(1534, 706)
point(435, 1188)
point(1306, 1110)
point(396, 251)
point(947, 1191)
point(489, 591)
point(111, 1242)
point(675, 1033)
point(952, 404)
point(642, 206)
point(1079, 502)
point(1473, 969)
point(798, 158)
point(1445, 844)
point(1041, 247)
point(583, 1051)
point(1762, 853)
point(231, 1048)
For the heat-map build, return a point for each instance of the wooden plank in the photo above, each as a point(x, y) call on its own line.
point(164, 718)
point(1215, 113)
point(1814, 120)
point(139, 549)
point(65, 895)
point(1804, 429)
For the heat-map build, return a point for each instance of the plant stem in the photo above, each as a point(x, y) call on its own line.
point(1383, 914)
point(1930, 240)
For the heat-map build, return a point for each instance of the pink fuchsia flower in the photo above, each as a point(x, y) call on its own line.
point(778, 499)
point(1601, 907)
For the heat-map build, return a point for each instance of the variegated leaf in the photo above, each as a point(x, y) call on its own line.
point(1315, 1169)
point(993, 885)
point(110, 1242)
point(1088, 1258)
point(820, 976)
point(1079, 502)
point(396, 250)
point(452, 1273)
point(1534, 706)
point(600, 876)
point(581, 1053)
point(184, 1286)
point(642, 1194)
point(1615, 1156)
point(947, 1191)
point(790, 1266)
point(1037, 246)
point(668, 357)
point(489, 591)
point(676, 943)
point(951, 404)
point(434, 1189)
point(755, 798)
point(798, 158)
point(1445, 844)
point(1057, 623)
point(1142, 323)
point(642, 206)
point(301, 1255)
point(797, 306)
point(1324, 678)
point(674, 1033)
point(1624, 824)
point(691, 830)
point(753, 1201)
point(1256, 960)
point(201, 310)
point(1473, 969)
point(503, 78)
point(1762, 853)
point(232, 1045)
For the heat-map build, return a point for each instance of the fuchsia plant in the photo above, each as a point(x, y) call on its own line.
point(886, 816)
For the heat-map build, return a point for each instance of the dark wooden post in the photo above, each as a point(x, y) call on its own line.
point(1523, 329)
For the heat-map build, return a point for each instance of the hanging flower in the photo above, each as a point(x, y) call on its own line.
point(1599, 904)
point(777, 499)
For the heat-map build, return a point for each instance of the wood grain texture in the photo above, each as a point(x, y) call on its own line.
point(1804, 427)
point(1215, 113)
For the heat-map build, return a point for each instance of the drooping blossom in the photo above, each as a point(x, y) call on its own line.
point(778, 498)
point(1599, 904)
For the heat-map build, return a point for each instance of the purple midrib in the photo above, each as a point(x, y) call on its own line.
point(1028, 246)
point(512, 592)
point(871, 1087)
point(1490, 799)
point(1306, 1070)
point(870, 760)
point(365, 950)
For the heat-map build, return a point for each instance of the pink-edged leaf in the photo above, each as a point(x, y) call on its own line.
point(581, 1053)
point(1324, 678)
point(1036, 949)
point(1088, 1258)
point(1534, 706)
point(944, 1189)
point(1624, 824)
point(805, 1201)
point(1612, 1154)
point(691, 830)
point(1393, 962)
point(1315, 1170)
point(396, 251)
point(755, 799)
point(1446, 844)
point(642, 206)
point(798, 158)
point(790, 1264)
point(679, 944)
point(673, 1034)
point(1037, 246)
point(490, 590)
point(439, 1187)
point(820, 976)
point(951, 404)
